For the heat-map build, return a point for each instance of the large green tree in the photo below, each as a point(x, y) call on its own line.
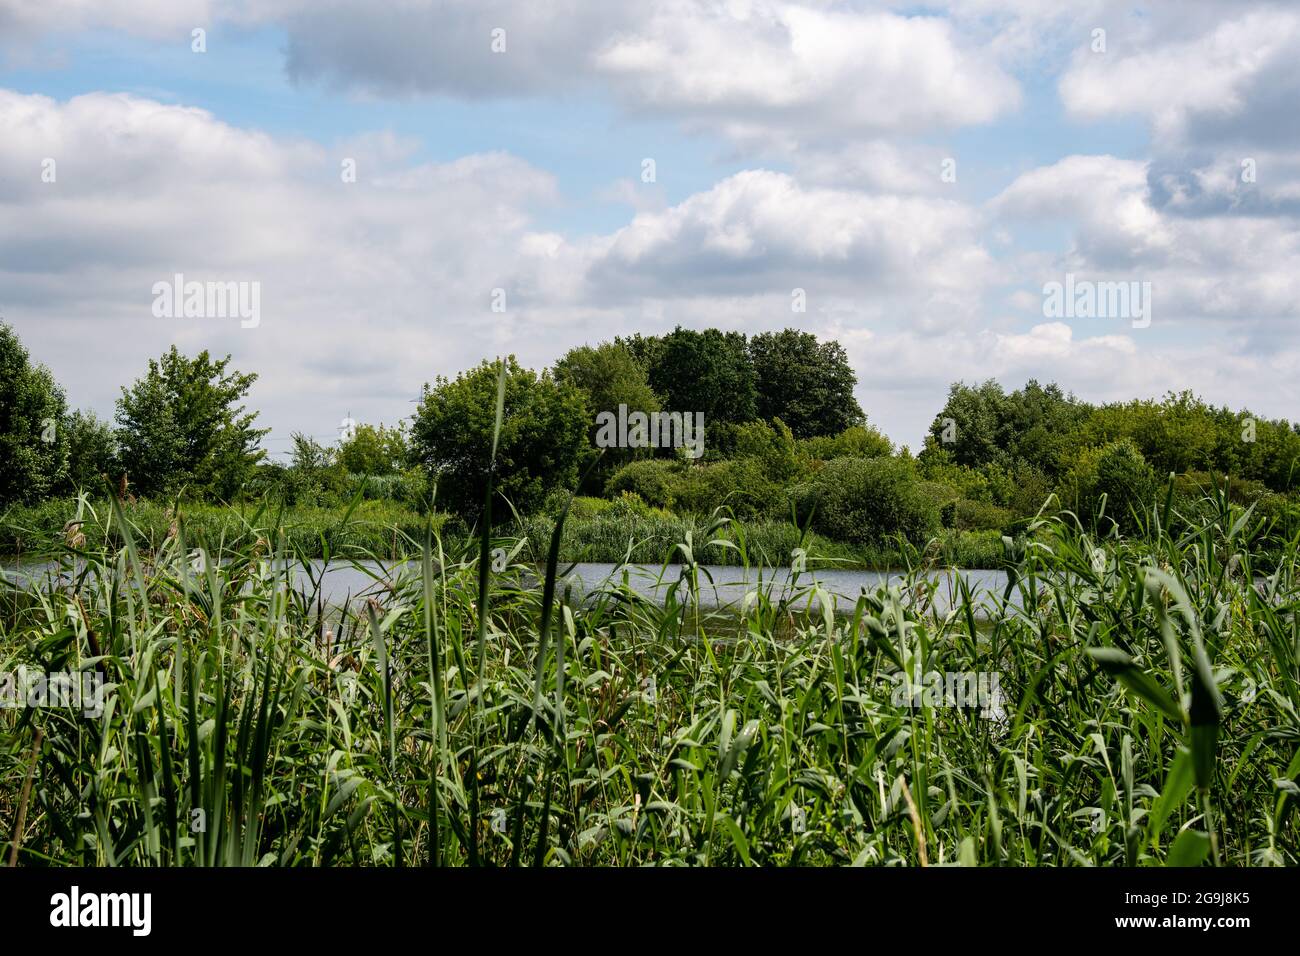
point(805, 383)
point(182, 426)
point(92, 453)
point(983, 425)
point(705, 371)
point(1114, 479)
point(608, 377)
point(33, 442)
point(374, 450)
point(542, 444)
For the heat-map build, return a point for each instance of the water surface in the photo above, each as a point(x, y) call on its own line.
point(719, 585)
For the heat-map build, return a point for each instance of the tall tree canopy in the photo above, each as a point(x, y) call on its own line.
point(708, 371)
point(543, 436)
point(182, 425)
point(982, 425)
point(805, 383)
point(608, 377)
point(33, 443)
point(374, 450)
point(92, 453)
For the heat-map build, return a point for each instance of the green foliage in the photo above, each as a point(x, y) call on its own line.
point(181, 426)
point(983, 425)
point(772, 447)
point(805, 383)
point(1113, 481)
point(1022, 488)
point(708, 372)
point(92, 454)
point(374, 450)
point(653, 480)
point(33, 439)
point(543, 438)
point(628, 531)
point(384, 528)
point(741, 485)
point(608, 377)
point(866, 500)
point(979, 516)
point(307, 734)
point(858, 441)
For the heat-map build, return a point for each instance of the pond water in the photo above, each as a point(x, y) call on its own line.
point(719, 585)
point(727, 584)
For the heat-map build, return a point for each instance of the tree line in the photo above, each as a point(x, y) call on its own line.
point(785, 436)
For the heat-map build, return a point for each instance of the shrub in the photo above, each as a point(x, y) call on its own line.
point(867, 500)
point(1113, 483)
point(979, 516)
point(740, 485)
point(543, 436)
point(860, 441)
point(772, 446)
point(652, 479)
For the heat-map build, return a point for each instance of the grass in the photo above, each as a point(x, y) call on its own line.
point(389, 530)
point(465, 716)
point(376, 527)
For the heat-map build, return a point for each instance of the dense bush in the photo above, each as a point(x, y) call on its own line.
point(33, 443)
point(381, 527)
point(1112, 484)
point(654, 480)
point(866, 500)
point(860, 441)
point(740, 485)
point(543, 437)
point(979, 516)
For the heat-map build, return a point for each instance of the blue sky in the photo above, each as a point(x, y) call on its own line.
point(796, 145)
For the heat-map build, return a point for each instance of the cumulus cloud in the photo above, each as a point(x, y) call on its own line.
point(370, 288)
point(775, 71)
point(367, 288)
point(1233, 81)
point(762, 231)
point(1240, 268)
point(797, 67)
point(836, 113)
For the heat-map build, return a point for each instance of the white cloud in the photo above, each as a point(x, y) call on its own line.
point(798, 67)
point(776, 71)
point(368, 289)
point(762, 231)
point(1216, 265)
point(1232, 80)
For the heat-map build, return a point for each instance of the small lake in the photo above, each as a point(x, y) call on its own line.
point(719, 585)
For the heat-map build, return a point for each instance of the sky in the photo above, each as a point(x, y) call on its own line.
point(416, 185)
